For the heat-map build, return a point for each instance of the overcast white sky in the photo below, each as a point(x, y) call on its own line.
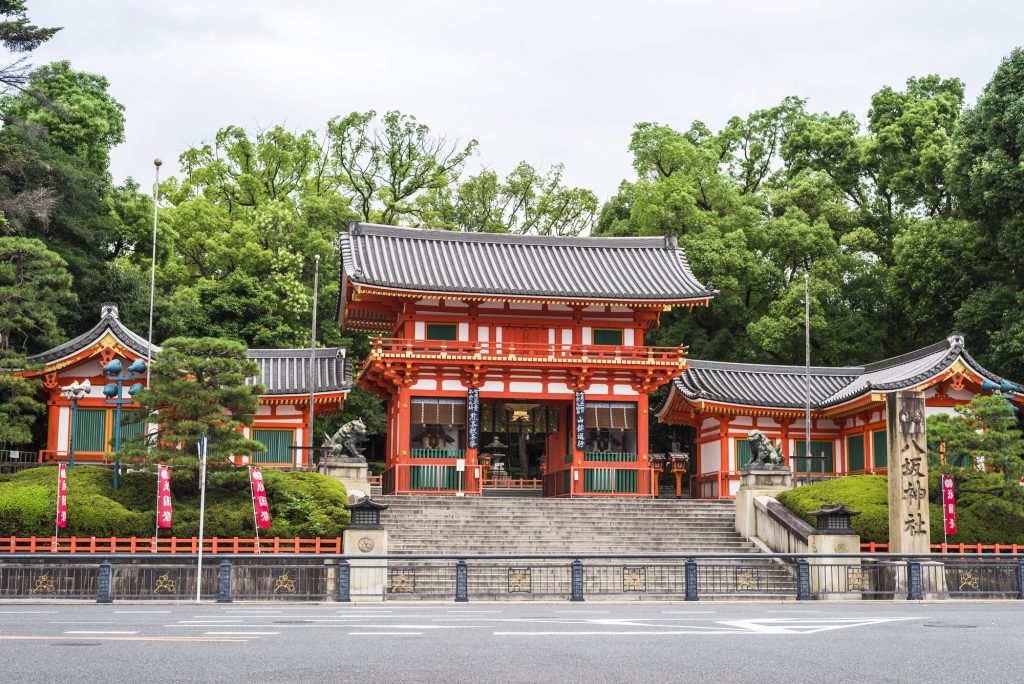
point(543, 81)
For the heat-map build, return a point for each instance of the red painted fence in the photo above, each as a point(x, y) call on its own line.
point(168, 545)
point(873, 547)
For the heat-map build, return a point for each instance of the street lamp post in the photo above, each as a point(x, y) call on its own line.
point(114, 393)
point(74, 392)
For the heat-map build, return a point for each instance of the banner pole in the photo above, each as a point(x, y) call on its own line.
point(156, 535)
point(202, 512)
point(255, 522)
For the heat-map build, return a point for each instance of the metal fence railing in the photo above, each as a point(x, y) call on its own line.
point(334, 577)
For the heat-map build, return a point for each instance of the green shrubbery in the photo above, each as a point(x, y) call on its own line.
point(301, 504)
point(981, 517)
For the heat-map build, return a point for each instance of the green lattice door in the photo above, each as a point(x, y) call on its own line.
point(278, 446)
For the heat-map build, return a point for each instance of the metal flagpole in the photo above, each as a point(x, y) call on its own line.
point(312, 355)
point(202, 513)
point(807, 369)
point(152, 272)
point(255, 521)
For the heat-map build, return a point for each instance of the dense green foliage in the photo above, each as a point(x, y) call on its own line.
point(198, 386)
point(981, 517)
point(301, 504)
point(982, 434)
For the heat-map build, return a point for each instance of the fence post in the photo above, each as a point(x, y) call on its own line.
point(577, 581)
point(914, 592)
point(104, 585)
point(344, 594)
point(461, 582)
point(1020, 578)
point(803, 580)
point(691, 580)
point(223, 582)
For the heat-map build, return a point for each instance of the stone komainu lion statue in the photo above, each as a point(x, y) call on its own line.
point(345, 441)
point(762, 451)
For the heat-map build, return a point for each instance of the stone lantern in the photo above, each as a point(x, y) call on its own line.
point(834, 519)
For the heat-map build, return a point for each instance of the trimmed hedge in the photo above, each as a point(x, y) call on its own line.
point(301, 504)
point(981, 518)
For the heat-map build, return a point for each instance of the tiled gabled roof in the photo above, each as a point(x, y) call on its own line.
point(283, 371)
point(109, 323)
point(783, 387)
point(633, 269)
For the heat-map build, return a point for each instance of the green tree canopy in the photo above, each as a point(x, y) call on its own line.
point(982, 434)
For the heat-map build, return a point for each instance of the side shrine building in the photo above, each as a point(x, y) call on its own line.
point(722, 402)
point(487, 337)
point(282, 419)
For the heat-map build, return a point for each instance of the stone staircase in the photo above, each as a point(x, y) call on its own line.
point(446, 525)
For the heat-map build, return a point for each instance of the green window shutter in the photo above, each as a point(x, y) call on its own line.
point(131, 433)
point(855, 452)
point(742, 453)
point(880, 443)
point(278, 446)
point(608, 337)
point(442, 331)
point(815, 465)
point(91, 430)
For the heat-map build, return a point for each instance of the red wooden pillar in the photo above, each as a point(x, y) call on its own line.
point(724, 469)
point(869, 447)
point(785, 440)
point(402, 436)
point(643, 459)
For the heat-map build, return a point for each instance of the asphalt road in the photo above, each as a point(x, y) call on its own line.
point(513, 642)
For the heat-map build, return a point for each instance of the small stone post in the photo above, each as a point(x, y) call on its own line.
point(577, 581)
point(691, 580)
point(104, 584)
point(223, 582)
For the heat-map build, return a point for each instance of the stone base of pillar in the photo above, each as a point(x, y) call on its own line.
point(755, 483)
point(369, 574)
point(351, 472)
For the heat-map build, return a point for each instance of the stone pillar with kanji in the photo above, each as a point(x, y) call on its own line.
point(909, 525)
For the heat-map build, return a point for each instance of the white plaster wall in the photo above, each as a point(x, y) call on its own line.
point(628, 337)
point(710, 457)
point(598, 388)
point(566, 335)
point(537, 387)
point(493, 386)
point(559, 388)
point(743, 420)
point(425, 384)
point(287, 410)
point(464, 332)
point(588, 335)
point(420, 330)
point(497, 333)
point(452, 385)
point(525, 307)
point(768, 423)
point(551, 335)
point(63, 427)
point(625, 390)
point(298, 442)
point(708, 424)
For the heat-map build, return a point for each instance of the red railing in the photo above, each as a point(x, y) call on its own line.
point(169, 545)
point(510, 483)
point(882, 547)
point(713, 485)
point(529, 352)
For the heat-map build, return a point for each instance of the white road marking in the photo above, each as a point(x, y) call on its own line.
point(807, 625)
point(688, 612)
point(83, 622)
point(582, 612)
point(793, 611)
point(28, 612)
point(240, 633)
point(385, 633)
point(97, 632)
point(142, 612)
